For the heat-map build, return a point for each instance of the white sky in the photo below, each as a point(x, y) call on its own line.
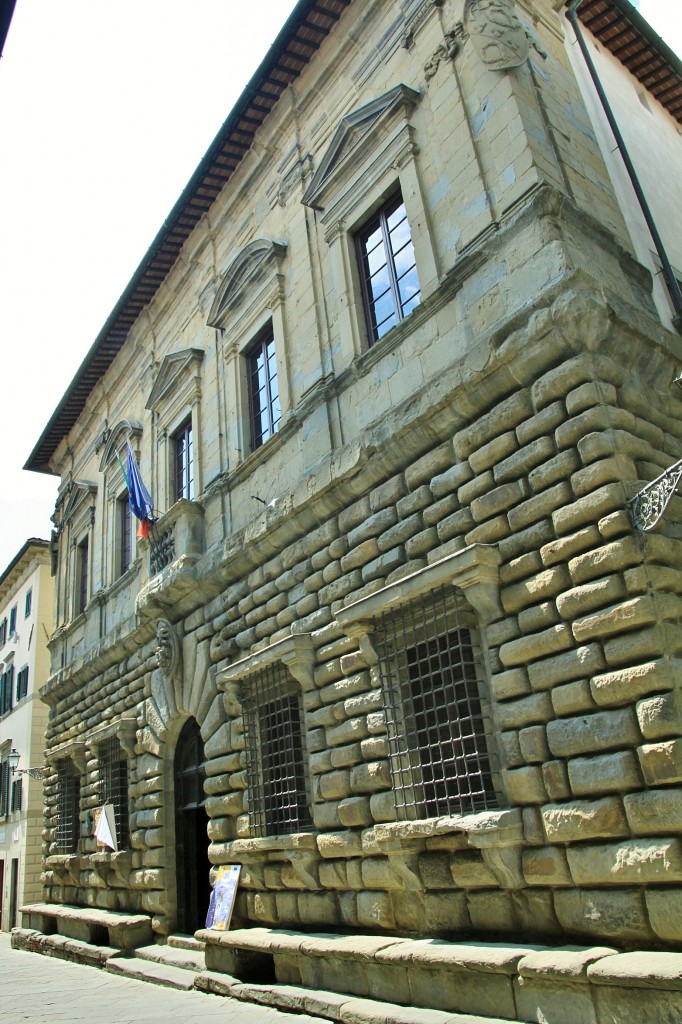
point(106, 108)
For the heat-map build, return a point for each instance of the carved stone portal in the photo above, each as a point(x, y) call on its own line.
point(496, 33)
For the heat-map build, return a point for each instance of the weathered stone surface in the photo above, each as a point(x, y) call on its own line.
point(546, 866)
point(661, 762)
point(583, 820)
point(605, 730)
point(609, 773)
point(629, 862)
point(664, 907)
point(574, 664)
point(596, 912)
point(657, 812)
point(537, 645)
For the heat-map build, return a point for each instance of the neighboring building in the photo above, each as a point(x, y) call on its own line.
point(26, 600)
point(392, 371)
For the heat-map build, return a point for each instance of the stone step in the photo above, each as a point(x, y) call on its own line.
point(333, 1006)
point(155, 973)
point(62, 947)
point(185, 942)
point(185, 959)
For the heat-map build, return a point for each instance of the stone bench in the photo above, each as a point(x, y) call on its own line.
point(526, 982)
point(89, 924)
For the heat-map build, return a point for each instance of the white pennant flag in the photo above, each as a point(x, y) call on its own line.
point(105, 832)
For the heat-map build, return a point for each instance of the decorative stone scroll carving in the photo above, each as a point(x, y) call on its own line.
point(168, 653)
point(497, 33)
point(446, 51)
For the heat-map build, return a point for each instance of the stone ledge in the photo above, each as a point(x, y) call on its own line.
point(639, 970)
point(83, 923)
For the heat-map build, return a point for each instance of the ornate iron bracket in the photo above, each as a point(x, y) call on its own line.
point(649, 504)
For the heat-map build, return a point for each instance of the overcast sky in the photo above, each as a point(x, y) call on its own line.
point(106, 108)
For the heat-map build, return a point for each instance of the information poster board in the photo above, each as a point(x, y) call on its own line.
point(223, 896)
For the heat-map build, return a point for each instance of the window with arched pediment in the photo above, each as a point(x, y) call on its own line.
point(117, 516)
point(248, 310)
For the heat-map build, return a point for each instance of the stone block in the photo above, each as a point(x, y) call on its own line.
point(661, 762)
point(538, 645)
point(375, 910)
point(355, 812)
point(525, 785)
point(619, 618)
point(608, 773)
point(542, 423)
point(447, 483)
point(654, 812)
point(627, 684)
point(535, 589)
point(359, 556)
point(561, 668)
point(334, 785)
point(382, 806)
point(370, 777)
point(660, 717)
point(439, 510)
point(506, 415)
point(595, 913)
point(565, 548)
point(584, 820)
point(598, 594)
point(533, 742)
point(608, 558)
point(398, 534)
point(388, 493)
point(474, 488)
point(453, 525)
point(520, 568)
point(628, 862)
point(373, 526)
point(414, 502)
point(488, 455)
point(546, 866)
point(555, 777)
point(589, 508)
point(527, 711)
point(665, 913)
point(434, 462)
point(604, 730)
point(539, 507)
point(469, 871)
point(638, 1006)
point(523, 541)
point(521, 462)
point(512, 683)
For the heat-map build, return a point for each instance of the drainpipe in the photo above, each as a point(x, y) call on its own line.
point(671, 280)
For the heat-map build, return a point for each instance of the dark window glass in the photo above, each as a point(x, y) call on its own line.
point(27, 605)
point(3, 632)
point(22, 683)
point(82, 577)
point(388, 270)
point(125, 534)
point(113, 786)
point(16, 795)
point(263, 391)
point(184, 463)
point(13, 620)
point(7, 690)
point(4, 789)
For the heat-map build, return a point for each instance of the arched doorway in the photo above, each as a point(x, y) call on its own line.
point(191, 838)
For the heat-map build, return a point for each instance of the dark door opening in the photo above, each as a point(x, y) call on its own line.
point(13, 892)
point(191, 837)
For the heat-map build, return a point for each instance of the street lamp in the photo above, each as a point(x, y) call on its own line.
point(13, 761)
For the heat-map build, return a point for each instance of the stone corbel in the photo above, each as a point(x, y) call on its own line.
point(361, 633)
point(123, 729)
point(296, 652)
point(73, 750)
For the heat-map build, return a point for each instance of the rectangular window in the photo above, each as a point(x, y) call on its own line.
point(22, 683)
point(113, 786)
point(13, 620)
point(82, 576)
point(125, 534)
point(388, 271)
point(184, 462)
point(264, 407)
point(68, 806)
point(28, 602)
point(275, 754)
point(4, 788)
point(3, 632)
point(15, 804)
point(6, 688)
point(438, 752)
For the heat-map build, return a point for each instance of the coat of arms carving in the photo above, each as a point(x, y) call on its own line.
point(497, 33)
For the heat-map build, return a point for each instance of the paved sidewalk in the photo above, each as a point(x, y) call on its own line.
point(42, 990)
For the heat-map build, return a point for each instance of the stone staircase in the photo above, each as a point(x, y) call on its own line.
point(175, 965)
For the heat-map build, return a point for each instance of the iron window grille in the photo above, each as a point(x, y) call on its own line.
point(113, 786)
point(67, 831)
point(390, 285)
point(264, 404)
point(184, 462)
point(125, 534)
point(436, 728)
point(275, 754)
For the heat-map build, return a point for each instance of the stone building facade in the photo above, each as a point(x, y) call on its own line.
point(391, 372)
point(26, 598)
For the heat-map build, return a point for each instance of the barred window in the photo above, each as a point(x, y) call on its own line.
point(113, 786)
point(275, 754)
point(68, 806)
point(438, 752)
